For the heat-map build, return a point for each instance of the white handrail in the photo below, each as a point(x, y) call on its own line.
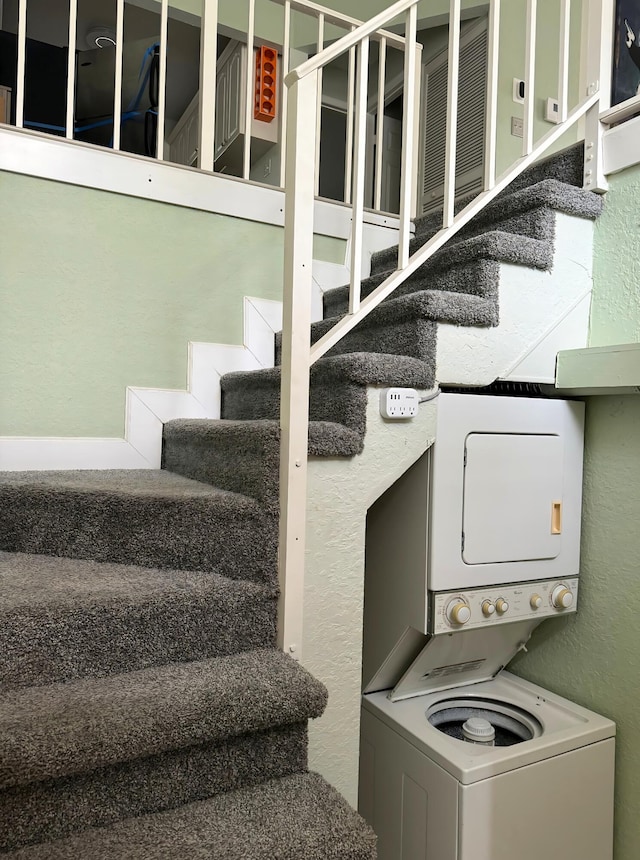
point(394, 280)
point(369, 28)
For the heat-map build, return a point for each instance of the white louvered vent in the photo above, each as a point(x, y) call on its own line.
point(471, 120)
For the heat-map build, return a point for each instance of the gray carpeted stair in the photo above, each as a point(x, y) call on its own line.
point(63, 619)
point(90, 752)
point(144, 710)
point(296, 818)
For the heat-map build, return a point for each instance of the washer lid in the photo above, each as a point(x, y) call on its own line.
point(455, 659)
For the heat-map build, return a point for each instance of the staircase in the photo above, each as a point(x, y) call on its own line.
point(145, 711)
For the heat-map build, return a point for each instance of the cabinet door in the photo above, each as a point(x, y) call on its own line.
point(222, 87)
point(235, 98)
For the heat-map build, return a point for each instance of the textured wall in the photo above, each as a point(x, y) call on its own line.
point(99, 291)
point(615, 309)
point(340, 493)
point(593, 657)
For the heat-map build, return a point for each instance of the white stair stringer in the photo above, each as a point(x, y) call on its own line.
point(541, 312)
point(147, 409)
point(339, 493)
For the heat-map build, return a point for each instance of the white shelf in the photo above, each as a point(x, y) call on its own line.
point(600, 370)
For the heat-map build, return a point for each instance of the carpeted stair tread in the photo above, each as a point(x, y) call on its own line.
point(492, 245)
point(55, 808)
point(244, 455)
point(149, 518)
point(391, 327)
point(547, 194)
point(69, 728)
point(338, 391)
point(475, 278)
point(298, 817)
point(62, 619)
point(452, 269)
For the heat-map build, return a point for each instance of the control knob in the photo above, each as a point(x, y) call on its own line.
point(561, 597)
point(458, 612)
point(535, 601)
point(488, 608)
point(502, 606)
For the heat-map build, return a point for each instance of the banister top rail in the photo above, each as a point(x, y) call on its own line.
point(341, 20)
point(369, 28)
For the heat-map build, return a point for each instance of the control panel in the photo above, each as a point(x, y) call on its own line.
point(481, 607)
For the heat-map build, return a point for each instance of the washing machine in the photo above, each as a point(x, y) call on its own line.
point(466, 555)
point(543, 791)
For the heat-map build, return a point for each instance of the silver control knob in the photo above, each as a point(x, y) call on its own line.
point(488, 608)
point(502, 606)
point(458, 612)
point(535, 601)
point(561, 597)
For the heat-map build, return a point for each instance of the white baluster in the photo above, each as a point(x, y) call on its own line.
point(357, 221)
point(117, 84)
point(71, 69)
point(408, 122)
point(286, 46)
point(452, 113)
point(250, 89)
point(530, 77)
point(491, 129)
point(22, 56)
point(382, 69)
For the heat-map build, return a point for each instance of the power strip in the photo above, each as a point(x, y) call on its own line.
point(398, 403)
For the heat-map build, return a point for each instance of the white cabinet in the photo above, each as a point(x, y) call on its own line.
point(230, 120)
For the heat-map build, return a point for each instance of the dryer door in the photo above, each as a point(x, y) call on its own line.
point(512, 508)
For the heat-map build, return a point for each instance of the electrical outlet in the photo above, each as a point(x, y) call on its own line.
point(517, 126)
point(398, 403)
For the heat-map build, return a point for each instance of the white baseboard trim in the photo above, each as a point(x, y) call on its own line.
point(147, 409)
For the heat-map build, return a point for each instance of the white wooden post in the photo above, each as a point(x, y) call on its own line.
point(22, 56)
point(208, 59)
point(491, 132)
point(117, 94)
point(530, 77)
point(162, 78)
point(249, 91)
point(599, 53)
point(286, 46)
point(408, 122)
point(452, 113)
point(360, 156)
point(71, 69)
point(294, 403)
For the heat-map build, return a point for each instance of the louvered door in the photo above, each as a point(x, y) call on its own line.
point(471, 120)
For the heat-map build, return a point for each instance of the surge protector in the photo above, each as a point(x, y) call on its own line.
point(398, 403)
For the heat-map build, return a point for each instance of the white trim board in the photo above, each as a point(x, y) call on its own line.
point(36, 154)
point(147, 409)
point(621, 146)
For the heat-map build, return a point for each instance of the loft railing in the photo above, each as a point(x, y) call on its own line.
point(298, 355)
point(297, 29)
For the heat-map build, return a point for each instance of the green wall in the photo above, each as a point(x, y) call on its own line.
point(615, 310)
point(593, 657)
point(99, 291)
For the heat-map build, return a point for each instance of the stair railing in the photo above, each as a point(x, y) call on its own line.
point(298, 356)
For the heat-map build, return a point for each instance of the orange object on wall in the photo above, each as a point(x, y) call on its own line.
point(266, 82)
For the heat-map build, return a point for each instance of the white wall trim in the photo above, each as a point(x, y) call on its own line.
point(37, 154)
point(147, 409)
point(622, 146)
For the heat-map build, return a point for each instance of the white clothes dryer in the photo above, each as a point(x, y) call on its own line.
point(544, 791)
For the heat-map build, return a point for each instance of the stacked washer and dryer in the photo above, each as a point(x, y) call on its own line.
point(473, 548)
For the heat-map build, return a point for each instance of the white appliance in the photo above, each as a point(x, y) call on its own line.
point(476, 545)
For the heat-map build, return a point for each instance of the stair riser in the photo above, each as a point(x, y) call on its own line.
point(477, 278)
point(50, 810)
point(345, 404)
point(47, 647)
point(250, 471)
point(187, 534)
